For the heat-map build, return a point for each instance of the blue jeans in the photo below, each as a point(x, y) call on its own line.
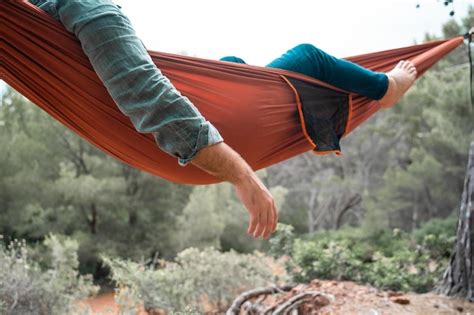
point(137, 86)
point(313, 62)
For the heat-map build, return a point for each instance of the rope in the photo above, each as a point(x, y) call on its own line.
point(468, 36)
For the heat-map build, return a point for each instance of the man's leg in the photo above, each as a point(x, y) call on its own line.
point(313, 62)
point(232, 59)
point(387, 88)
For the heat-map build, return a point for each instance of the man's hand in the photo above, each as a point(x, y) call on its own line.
point(260, 204)
point(223, 162)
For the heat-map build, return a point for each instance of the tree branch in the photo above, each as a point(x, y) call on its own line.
point(241, 299)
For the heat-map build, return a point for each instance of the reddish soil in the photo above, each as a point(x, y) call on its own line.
point(350, 298)
point(104, 304)
point(347, 298)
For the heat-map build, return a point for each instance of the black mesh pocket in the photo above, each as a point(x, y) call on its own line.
point(325, 114)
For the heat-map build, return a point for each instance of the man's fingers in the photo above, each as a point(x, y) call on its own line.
point(275, 216)
point(262, 222)
point(252, 223)
point(270, 221)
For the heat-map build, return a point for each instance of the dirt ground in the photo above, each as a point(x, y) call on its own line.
point(343, 298)
point(346, 297)
point(103, 304)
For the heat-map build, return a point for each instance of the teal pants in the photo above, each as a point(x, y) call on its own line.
point(312, 61)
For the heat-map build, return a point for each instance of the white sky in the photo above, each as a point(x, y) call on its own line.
point(260, 30)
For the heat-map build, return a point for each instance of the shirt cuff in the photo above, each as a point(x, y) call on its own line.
point(208, 135)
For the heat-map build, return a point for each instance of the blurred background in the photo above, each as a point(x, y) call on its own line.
point(393, 195)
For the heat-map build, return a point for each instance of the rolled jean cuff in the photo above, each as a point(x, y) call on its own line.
point(208, 135)
point(382, 86)
point(47, 6)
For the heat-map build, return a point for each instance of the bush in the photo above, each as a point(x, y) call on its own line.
point(281, 243)
point(196, 277)
point(392, 260)
point(326, 260)
point(437, 236)
point(26, 288)
point(408, 270)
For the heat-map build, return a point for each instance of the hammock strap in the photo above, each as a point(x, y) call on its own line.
point(468, 36)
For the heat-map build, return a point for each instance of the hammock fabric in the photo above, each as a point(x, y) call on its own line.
point(267, 115)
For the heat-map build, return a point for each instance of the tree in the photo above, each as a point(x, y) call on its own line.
point(458, 279)
point(53, 181)
point(425, 169)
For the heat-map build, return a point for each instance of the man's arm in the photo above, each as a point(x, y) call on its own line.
point(223, 162)
point(154, 106)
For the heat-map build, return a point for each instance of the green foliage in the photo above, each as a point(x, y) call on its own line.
point(333, 260)
point(52, 181)
point(408, 270)
point(388, 260)
point(49, 287)
point(203, 219)
point(437, 236)
point(427, 164)
point(215, 217)
point(281, 243)
point(194, 277)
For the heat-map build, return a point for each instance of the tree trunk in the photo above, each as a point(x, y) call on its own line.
point(458, 279)
point(311, 203)
point(414, 217)
point(350, 204)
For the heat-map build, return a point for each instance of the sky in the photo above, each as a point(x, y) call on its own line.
point(261, 30)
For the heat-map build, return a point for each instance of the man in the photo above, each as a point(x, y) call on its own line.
point(154, 106)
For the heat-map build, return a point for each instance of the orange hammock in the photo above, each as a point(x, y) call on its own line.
point(259, 111)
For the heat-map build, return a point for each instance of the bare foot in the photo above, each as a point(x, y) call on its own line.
point(400, 79)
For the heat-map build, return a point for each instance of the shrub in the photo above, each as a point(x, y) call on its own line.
point(393, 260)
point(194, 278)
point(331, 260)
point(437, 236)
point(281, 243)
point(26, 288)
point(408, 270)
